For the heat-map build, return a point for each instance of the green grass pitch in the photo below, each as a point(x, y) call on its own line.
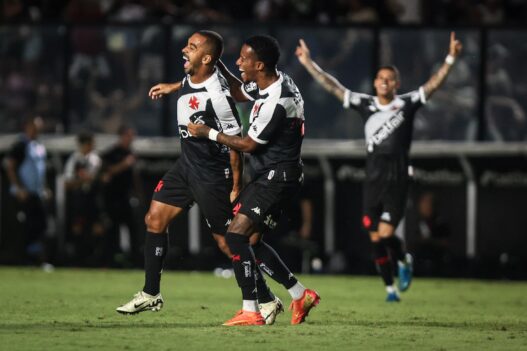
point(73, 309)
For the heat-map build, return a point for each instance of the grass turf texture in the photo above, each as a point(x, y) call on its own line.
point(73, 309)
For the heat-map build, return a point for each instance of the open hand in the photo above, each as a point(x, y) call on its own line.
point(157, 91)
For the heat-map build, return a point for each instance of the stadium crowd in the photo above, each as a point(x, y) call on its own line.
point(386, 12)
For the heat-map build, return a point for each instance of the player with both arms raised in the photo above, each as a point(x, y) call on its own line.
point(388, 120)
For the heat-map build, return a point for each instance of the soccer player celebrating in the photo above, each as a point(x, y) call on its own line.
point(206, 172)
point(274, 140)
point(388, 120)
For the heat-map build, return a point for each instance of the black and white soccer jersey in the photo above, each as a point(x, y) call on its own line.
point(388, 134)
point(207, 103)
point(277, 124)
point(387, 128)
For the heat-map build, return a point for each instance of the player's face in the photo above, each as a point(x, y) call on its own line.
point(248, 64)
point(193, 53)
point(386, 83)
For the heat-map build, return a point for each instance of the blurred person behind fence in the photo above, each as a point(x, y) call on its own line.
point(120, 185)
point(25, 166)
point(85, 226)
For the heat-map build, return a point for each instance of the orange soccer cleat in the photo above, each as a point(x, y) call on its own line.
point(243, 317)
point(302, 306)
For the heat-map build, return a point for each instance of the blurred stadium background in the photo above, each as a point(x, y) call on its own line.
point(85, 65)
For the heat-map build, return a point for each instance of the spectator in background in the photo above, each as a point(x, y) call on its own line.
point(491, 12)
point(505, 117)
point(431, 235)
point(14, 11)
point(26, 171)
point(356, 11)
point(85, 224)
point(119, 182)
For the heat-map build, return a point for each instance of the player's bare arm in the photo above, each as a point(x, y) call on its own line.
point(158, 90)
point(243, 144)
point(235, 85)
point(439, 77)
point(330, 83)
point(236, 161)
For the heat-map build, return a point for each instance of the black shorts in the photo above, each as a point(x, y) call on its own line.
point(181, 188)
point(385, 191)
point(264, 199)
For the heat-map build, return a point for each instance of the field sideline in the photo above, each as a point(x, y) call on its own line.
point(74, 309)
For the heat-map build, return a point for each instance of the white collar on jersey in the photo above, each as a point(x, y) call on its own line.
point(272, 86)
point(396, 102)
point(202, 84)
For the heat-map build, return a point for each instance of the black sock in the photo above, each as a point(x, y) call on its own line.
point(270, 263)
point(156, 247)
point(383, 262)
point(243, 264)
point(395, 245)
point(263, 292)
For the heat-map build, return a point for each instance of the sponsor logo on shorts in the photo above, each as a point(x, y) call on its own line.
point(159, 251)
point(256, 210)
point(270, 175)
point(270, 222)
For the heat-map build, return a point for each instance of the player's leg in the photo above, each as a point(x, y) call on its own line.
point(383, 263)
point(214, 201)
point(170, 198)
point(394, 204)
point(270, 262)
point(157, 219)
point(270, 305)
point(272, 198)
point(237, 239)
point(374, 192)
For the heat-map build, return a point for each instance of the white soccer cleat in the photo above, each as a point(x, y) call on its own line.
point(142, 302)
point(270, 310)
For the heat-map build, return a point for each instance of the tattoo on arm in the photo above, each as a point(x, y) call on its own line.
point(236, 142)
point(436, 80)
point(330, 83)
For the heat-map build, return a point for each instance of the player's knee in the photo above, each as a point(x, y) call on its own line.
point(154, 222)
point(241, 224)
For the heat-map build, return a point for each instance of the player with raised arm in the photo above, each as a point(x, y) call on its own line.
point(274, 141)
point(207, 172)
point(388, 124)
